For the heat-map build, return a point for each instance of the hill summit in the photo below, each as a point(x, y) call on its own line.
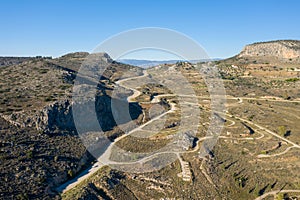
point(280, 49)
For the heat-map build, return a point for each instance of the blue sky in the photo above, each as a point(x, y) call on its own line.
point(223, 27)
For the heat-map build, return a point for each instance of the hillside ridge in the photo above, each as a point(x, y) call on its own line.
point(281, 49)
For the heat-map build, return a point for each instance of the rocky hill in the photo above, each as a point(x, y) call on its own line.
point(285, 50)
point(40, 148)
point(244, 164)
point(6, 61)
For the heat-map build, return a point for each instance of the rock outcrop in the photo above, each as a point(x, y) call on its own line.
point(40, 147)
point(58, 116)
point(281, 49)
point(6, 61)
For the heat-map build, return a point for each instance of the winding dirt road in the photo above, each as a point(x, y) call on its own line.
point(91, 170)
point(105, 157)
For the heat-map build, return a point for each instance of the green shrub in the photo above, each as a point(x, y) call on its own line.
point(43, 71)
point(279, 196)
point(281, 130)
point(292, 80)
point(70, 173)
point(263, 152)
point(29, 154)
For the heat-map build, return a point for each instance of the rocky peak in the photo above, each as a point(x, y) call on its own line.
point(281, 49)
point(76, 55)
point(85, 55)
point(104, 56)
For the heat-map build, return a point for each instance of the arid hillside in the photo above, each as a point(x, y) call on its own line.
point(256, 154)
point(40, 148)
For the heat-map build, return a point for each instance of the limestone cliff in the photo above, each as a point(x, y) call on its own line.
point(281, 49)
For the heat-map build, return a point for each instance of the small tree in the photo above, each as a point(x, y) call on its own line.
point(282, 196)
point(279, 196)
point(281, 130)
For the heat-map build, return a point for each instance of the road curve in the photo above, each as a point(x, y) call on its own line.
point(276, 192)
point(91, 170)
point(105, 157)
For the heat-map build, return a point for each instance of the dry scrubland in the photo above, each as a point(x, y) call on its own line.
point(257, 153)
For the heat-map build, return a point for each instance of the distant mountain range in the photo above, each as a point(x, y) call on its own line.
point(150, 63)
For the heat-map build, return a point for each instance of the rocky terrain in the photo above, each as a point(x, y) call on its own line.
point(40, 148)
point(282, 48)
point(5, 61)
point(256, 155)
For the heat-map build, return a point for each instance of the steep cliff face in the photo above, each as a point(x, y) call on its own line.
point(281, 49)
point(58, 115)
point(55, 115)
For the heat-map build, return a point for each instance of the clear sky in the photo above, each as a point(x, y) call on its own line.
point(223, 27)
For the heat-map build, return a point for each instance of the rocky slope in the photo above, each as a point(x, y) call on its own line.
point(255, 82)
point(6, 61)
point(40, 148)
